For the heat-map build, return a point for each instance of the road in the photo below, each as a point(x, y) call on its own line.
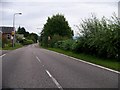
point(34, 67)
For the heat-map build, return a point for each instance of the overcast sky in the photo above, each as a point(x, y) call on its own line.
point(36, 12)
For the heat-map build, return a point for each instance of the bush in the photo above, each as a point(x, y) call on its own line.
point(100, 37)
point(27, 42)
point(65, 44)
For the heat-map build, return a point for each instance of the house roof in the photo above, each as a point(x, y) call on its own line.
point(6, 29)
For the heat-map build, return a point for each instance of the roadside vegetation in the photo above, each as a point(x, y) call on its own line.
point(17, 45)
point(26, 38)
point(22, 38)
point(98, 41)
point(54, 30)
point(109, 63)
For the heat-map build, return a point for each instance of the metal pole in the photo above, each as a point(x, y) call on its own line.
point(13, 29)
point(13, 41)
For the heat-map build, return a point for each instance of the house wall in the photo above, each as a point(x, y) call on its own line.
point(6, 38)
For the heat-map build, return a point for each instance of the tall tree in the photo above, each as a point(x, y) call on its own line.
point(21, 30)
point(56, 25)
point(27, 35)
point(34, 37)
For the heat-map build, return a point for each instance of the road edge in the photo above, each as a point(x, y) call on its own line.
point(99, 66)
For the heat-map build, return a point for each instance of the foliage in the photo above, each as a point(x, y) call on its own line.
point(98, 37)
point(101, 36)
point(27, 42)
point(65, 44)
point(0, 43)
point(109, 63)
point(28, 36)
point(8, 47)
point(33, 37)
point(55, 26)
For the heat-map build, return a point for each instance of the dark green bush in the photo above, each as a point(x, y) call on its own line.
point(27, 42)
point(65, 44)
point(100, 37)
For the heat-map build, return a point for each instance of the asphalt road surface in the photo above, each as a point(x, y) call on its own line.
point(33, 67)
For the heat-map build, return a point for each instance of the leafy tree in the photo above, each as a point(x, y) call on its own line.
point(56, 25)
point(34, 37)
point(28, 36)
point(100, 37)
point(21, 30)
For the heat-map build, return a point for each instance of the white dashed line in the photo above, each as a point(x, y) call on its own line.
point(38, 59)
point(54, 80)
point(3, 55)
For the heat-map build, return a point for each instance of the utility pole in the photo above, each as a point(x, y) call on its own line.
point(13, 38)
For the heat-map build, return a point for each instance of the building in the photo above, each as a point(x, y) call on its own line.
point(7, 35)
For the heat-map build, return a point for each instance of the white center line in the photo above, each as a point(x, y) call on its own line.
point(54, 80)
point(38, 59)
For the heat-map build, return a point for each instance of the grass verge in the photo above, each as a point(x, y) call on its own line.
point(112, 64)
point(17, 45)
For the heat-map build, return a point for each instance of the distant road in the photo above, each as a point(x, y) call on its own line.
point(33, 67)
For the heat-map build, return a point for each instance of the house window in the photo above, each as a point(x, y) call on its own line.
point(8, 36)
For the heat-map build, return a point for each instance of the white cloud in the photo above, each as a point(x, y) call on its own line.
point(35, 14)
point(60, 0)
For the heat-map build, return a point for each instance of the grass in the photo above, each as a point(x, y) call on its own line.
point(112, 64)
point(17, 45)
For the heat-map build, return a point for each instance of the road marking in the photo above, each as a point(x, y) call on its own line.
point(54, 80)
point(105, 68)
point(38, 59)
point(48, 73)
point(3, 55)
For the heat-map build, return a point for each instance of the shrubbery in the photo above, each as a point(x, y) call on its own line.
point(99, 37)
point(65, 45)
point(27, 42)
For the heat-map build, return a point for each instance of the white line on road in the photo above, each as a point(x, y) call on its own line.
point(54, 80)
point(38, 59)
point(3, 55)
point(48, 73)
point(102, 67)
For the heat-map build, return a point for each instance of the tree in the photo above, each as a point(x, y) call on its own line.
point(21, 30)
point(27, 35)
point(56, 25)
point(34, 37)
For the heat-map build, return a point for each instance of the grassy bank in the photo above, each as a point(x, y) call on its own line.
point(17, 45)
point(112, 64)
